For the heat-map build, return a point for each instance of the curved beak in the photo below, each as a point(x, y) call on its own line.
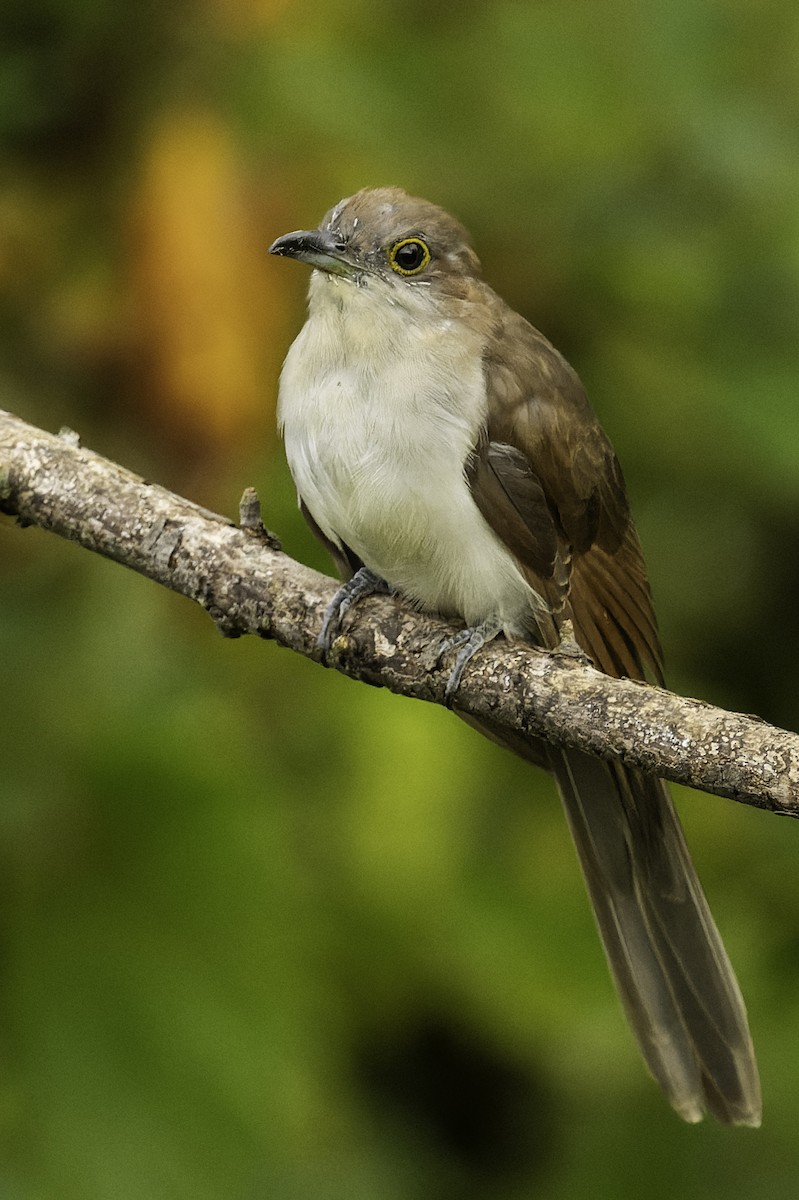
point(315, 247)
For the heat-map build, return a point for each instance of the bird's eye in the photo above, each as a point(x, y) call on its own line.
point(409, 257)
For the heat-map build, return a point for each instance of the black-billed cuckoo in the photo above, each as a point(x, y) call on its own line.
point(444, 450)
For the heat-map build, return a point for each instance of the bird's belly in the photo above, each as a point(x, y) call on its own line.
point(398, 497)
point(380, 412)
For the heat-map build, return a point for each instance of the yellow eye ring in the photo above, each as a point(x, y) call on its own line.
point(409, 257)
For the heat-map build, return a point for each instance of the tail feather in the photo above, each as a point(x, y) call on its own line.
point(665, 953)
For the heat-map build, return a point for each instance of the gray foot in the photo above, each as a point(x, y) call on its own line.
point(363, 583)
point(467, 643)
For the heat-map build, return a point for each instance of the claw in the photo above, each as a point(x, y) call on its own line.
point(363, 583)
point(469, 640)
point(568, 647)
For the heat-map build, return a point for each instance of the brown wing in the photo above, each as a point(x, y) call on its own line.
point(512, 499)
point(547, 480)
point(544, 440)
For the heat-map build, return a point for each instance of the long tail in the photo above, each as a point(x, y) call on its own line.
point(665, 953)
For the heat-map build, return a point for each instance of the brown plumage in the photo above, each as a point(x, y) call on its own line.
point(544, 476)
point(671, 969)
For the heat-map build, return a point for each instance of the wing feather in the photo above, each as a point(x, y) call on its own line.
point(546, 463)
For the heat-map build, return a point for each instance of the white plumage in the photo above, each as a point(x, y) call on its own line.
point(380, 407)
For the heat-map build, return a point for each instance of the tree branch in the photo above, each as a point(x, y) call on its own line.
point(242, 579)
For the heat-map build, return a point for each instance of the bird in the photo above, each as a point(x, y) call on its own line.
point(445, 452)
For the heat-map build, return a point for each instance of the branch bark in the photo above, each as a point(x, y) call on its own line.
point(243, 580)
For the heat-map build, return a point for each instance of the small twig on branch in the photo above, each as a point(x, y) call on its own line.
point(247, 585)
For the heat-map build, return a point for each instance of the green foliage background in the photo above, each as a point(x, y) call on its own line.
point(266, 933)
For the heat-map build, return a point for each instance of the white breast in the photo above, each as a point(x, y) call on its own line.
point(380, 406)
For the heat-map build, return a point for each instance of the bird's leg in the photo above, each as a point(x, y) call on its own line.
point(567, 646)
point(467, 643)
point(363, 583)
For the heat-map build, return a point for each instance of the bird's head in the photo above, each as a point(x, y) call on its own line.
point(383, 236)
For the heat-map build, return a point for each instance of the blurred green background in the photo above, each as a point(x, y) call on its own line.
point(266, 933)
